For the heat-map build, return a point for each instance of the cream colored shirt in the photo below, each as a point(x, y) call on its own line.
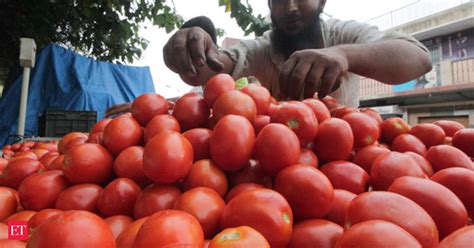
point(257, 57)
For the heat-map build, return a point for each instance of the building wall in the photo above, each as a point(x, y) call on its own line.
point(462, 113)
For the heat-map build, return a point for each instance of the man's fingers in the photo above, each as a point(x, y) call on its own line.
point(313, 80)
point(297, 79)
point(284, 79)
point(327, 83)
point(212, 59)
point(178, 57)
point(196, 48)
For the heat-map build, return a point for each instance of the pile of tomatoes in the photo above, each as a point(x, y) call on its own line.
point(235, 168)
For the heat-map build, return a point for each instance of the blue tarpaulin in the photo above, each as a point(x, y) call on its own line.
point(62, 79)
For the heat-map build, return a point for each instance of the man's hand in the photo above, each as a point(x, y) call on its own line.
point(118, 109)
point(312, 70)
point(189, 49)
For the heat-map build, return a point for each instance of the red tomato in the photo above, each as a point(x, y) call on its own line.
point(260, 122)
point(166, 229)
point(12, 243)
point(88, 163)
point(461, 182)
point(447, 211)
point(40, 152)
point(377, 233)
point(118, 223)
point(277, 147)
point(264, 210)
point(96, 138)
point(159, 124)
point(129, 164)
point(366, 157)
point(48, 158)
point(374, 114)
point(167, 157)
point(429, 134)
point(230, 133)
point(242, 236)
point(340, 204)
point(73, 144)
point(392, 127)
point(422, 162)
point(199, 139)
point(390, 166)
point(147, 106)
point(334, 141)
point(318, 191)
point(78, 229)
point(99, 127)
point(329, 101)
point(79, 197)
point(9, 203)
point(319, 109)
point(449, 127)
point(217, 85)
point(3, 164)
point(299, 117)
point(397, 209)
point(41, 217)
point(57, 164)
point(260, 95)
point(346, 175)
point(51, 146)
point(40, 191)
point(17, 170)
point(408, 143)
point(205, 173)
point(315, 233)
point(25, 154)
point(118, 198)
point(122, 132)
point(307, 157)
point(127, 236)
point(67, 138)
point(463, 139)
point(191, 111)
point(251, 173)
point(155, 198)
point(21, 216)
point(341, 111)
point(366, 131)
point(205, 205)
point(3, 232)
point(242, 188)
point(463, 237)
point(444, 156)
point(235, 102)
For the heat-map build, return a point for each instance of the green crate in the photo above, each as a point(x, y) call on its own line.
point(57, 123)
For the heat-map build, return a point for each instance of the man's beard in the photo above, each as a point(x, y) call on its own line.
point(309, 38)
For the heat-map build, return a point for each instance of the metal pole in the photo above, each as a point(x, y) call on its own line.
point(23, 101)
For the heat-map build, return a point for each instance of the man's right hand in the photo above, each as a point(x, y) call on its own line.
point(188, 50)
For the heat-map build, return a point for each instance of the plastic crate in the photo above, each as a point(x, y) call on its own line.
point(57, 123)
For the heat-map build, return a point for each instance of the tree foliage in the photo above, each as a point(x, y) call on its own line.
point(243, 14)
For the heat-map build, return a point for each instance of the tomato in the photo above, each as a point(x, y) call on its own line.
point(334, 141)
point(299, 117)
point(42, 216)
point(260, 122)
point(396, 209)
point(122, 132)
point(57, 164)
point(147, 106)
point(129, 164)
point(40, 152)
point(205, 173)
point(260, 95)
point(392, 127)
point(318, 191)
point(329, 101)
point(96, 138)
point(235, 102)
point(67, 138)
point(40, 191)
point(366, 131)
point(3, 232)
point(88, 163)
point(118, 198)
point(429, 134)
point(444, 156)
point(390, 166)
point(277, 147)
point(51, 146)
point(341, 111)
point(100, 126)
point(12, 243)
point(217, 85)
point(73, 144)
point(127, 236)
point(17, 170)
point(319, 109)
point(48, 158)
point(242, 188)
point(78, 229)
point(251, 173)
point(166, 229)
point(422, 162)
point(242, 236)
point(191, 111)
point(340, 204)
point(118, 223)
point(461, 182)
point(159, 124)
point(408, 143)
point(205, 205)
point(8, 204)
point(374, 114)
point(463, 139)
point(199, 139)
point(346, 175)
point(460, 238)
point(3, 164)
point(79, 197)
point(366, 157)
point(449, 127)
point(377, 233)
point(155, 198)
point(307, 157)
point(20, 216)
point(265, 210)
point(315, 233)
point(167, 157)
point(232, 142)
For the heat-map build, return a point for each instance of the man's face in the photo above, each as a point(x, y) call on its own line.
point(293, 17)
